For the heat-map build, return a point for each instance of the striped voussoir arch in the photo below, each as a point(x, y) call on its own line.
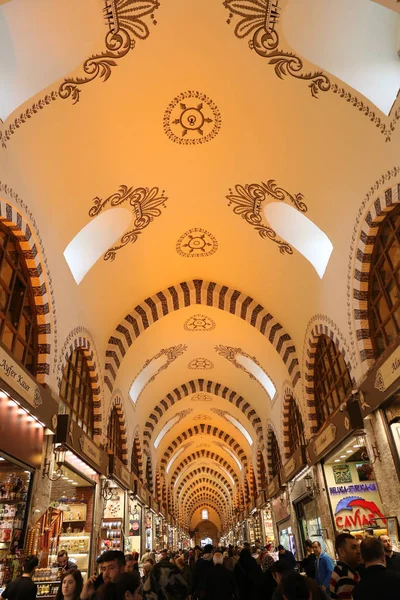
point(149, 473)
point(203, 429)
point(75, 341)
point(206, 492)
point(116, 402)
point(197, 485)
point(311, 347)
point(261, 471)
point(288, 400)
point(191, 293)
point(199, 474)
point(204, 454)
point(372, 220)
point(209, 504)
point(203, 500)
point(137, 457)
point(19, 226)
point(192, 387)
point(270, 437)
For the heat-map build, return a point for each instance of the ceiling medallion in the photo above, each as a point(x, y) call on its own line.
point(144, 203)
point(248, 203)
point(202, 417)
point(196, 243)
point(192, 118)
point(258, 18)
point(201, 363)
point(200, 397)
point(199, 323)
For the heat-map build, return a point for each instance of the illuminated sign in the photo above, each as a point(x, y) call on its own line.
point(355, 512)
point(353, 489)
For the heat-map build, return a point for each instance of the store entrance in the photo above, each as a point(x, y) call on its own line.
point(205, 541)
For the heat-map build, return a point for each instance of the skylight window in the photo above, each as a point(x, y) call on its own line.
point(204, 514)
point(168, 425)
point(235, 458)
point(169, 465)
point(239, 426)
point(259, 373)
point(301, 233)
point(95, 239)
point(145, 374)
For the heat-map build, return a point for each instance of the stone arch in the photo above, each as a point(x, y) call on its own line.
point(203, 471)
point(192, 387)
point(40, 279)
point(137, 457)
point(200, 429)
point(205, 483)
point(80, 337)
point(261, 469)
point(271, 432)
point(252, 482)
point(199, 454)
point(209, 504)
point(310, 348)
point(371, 220)
point(288, 397)
point(149, 473)
point(206, 492)
point(116, 402)
point(191, 293)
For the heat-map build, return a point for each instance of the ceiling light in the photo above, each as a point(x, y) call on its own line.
point(70, 480)
point(21, 411)
point(74, 483)
point(337, 459)
point(349, 451)
point(357, 446)
point(343, 456)
point(1, 458)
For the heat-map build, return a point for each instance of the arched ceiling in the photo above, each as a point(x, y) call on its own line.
point(194, 116)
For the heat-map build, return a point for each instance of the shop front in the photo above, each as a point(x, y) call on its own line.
point(141, 506)
point(68, 524)
point(114, 532)
point(28, 416)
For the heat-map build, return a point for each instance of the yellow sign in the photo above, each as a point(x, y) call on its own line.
point(16, 378)
point(388, 372)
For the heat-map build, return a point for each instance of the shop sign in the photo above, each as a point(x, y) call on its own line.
point(325, 439)
point(90, 449)
point(261, 499)
point(19, 380)
point(273, 487)
point(388, 372)
point(120, 472)
point(355, 512)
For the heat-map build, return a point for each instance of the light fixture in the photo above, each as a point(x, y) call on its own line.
point(59, 458)
point(108, 491)
point(361, 438)
point(337, 459)
point(312, 487)
point(343, 456)
point(349, 451)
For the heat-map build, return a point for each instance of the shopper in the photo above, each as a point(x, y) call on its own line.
point(267, 560)
point(392, 557)
point(247, 575)
point(23, 587)
point(220, 583)
point(112, 565)
point(323, 568)
point(194, 557)
point(165, 582)
point(286, 556)
point(233, 557)
point(280, 569)
point(131, 562)
point(294, 587)
point(377, 581)
point(185, 570)
point(345, 576)
point(64, 562)
point(126, 588)
point(308, 563)
point(70, 586)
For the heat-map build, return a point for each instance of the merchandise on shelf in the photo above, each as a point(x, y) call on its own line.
point(111, 535)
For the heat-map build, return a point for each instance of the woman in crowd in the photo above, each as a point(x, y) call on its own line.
point(128, 587)
point(70, 586)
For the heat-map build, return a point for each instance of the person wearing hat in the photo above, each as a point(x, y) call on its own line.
point(201, 572)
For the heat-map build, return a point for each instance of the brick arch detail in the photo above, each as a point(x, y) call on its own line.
point(260, 468)
point(288, 397)
point(149, 473)
point(200, 385)
point(40, 281)
point(203, 471)
point(80, 337)
point(271, 432)
point(199, 454)
point(136, 444)
point(116, 402)
point(311, 347)
point(371, 220)
point(209, 504)
point(192, 293)
point(202, 429)
point(205, 491)
point(204, 482)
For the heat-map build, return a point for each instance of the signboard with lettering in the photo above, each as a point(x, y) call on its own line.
point(388, 372)
point(68, 432)
point(294, 465)
point(357, 504)
point(382, 380)
point(19, 380)
point(273, 487)
point(120, 472)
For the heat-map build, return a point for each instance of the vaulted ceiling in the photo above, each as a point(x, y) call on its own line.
point(194, 116)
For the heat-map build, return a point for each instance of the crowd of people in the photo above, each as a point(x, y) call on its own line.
point(363, 571)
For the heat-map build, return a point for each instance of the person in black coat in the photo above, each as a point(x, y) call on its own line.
point(286, 556)
point(308, 563)
point(247, 574)
point(377, 581)
point(220, 584)
point(201, 572)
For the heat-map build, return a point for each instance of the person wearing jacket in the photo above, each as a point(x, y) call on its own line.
point(286, 556)
point(323, 568)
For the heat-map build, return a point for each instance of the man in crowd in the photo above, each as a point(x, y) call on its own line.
point(344, 576)
point(220, 583)
point(163, 555)
point(64, 562)
point(392, 557)
point(201, 572)
point(323, 568)
point(377, 581)
point(112, 565)
point(194, 557)
point(280, 569)
point(286, 556)
point(308, 563)
point(23, 587)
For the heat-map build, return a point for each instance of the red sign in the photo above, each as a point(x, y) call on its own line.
point(356, 513)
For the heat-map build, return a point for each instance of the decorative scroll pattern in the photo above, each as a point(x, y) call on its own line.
point(191, 118)
point(144, 203)
point(126, 22)
point(255, 19)
point(248, 202)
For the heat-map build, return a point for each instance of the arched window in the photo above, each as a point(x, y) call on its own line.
point(114, 438)
point(384, 284)
point(332, 381)
point(135, 459)
point(296, 427)
point(276, 461)
point(76, 391)
point(18, 322)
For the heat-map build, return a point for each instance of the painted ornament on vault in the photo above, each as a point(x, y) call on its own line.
point(199, 323)
point(201, 363)
point(196, 243)
point(201, 397)
point(192, 118)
